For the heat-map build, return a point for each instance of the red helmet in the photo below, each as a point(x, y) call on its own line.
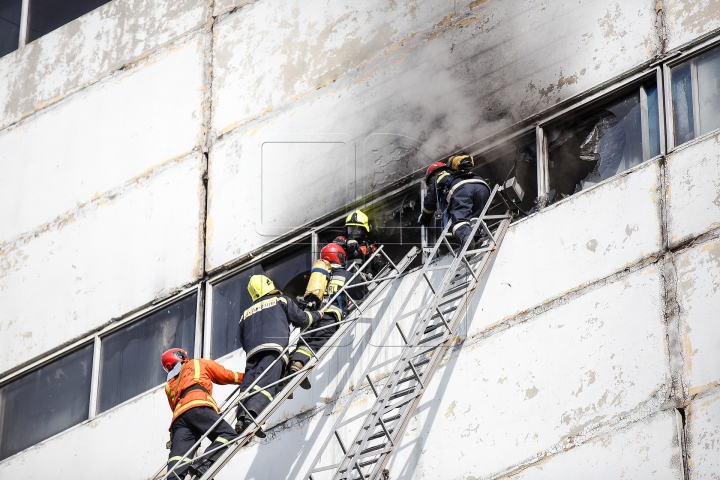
point(333, 253)
point(434, 167)
point(172, 356)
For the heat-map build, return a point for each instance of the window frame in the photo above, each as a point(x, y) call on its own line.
point(673, 60)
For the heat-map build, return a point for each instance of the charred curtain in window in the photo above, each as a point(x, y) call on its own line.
point(602, 143)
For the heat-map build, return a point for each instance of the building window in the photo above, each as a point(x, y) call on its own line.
point(289, 272)
point(130, 356)
point(44, 16)
point(10, 13)
point(516, 159)
point(696, 96)
point(598, 144)
point(45, 401)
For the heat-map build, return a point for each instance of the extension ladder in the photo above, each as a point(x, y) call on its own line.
point(435, 325)
point(377, 286)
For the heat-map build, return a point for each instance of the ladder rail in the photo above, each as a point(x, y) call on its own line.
point(361, 440)
point(382, 284)
point(229, 404)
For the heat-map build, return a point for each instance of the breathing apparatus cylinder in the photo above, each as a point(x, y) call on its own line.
point(319, 277)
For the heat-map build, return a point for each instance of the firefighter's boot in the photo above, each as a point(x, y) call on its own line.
point(296, 367)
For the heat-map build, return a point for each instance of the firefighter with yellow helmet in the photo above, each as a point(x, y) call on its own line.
point(264, 334)
point(357, 241)
point(457, 191)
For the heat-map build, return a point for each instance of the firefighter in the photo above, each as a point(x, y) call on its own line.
point(357, 241)
point(461, 195)
point(264, 334)
point(332, 314)
point(189, 392)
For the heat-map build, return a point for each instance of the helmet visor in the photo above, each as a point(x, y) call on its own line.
point(354, 231)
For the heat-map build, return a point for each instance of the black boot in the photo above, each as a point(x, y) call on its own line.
point(199, 469)
point(463, 234)
point(244, 423)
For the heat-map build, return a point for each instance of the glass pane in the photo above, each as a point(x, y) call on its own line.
point(44, 16)
point(45, 402)
point(708, 73)
point(682, 103)
point(10, 11)
point(653, 121)
point(596, 146)
point(289, 273)
point(130, 357)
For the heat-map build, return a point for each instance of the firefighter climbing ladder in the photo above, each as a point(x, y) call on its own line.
point(367, 455)
point(377, 286)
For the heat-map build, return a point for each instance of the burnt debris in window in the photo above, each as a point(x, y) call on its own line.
point(289, 271)
point(396, 227)
point(45, 401)
point(10, 12)
point(516, 159)
point(129, 358)
point(599, 144)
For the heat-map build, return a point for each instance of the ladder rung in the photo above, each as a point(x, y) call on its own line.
point(401, 393)
point(418, 364)
point(369, 462)
point(431, 338)
point(407, 379)
point(390, 419)
point(372, 449)
point(433, 327)
point(379, 434)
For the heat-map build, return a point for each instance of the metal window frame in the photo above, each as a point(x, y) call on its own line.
point(22, 41)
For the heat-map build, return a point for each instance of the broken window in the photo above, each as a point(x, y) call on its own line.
point(45, 401)
point(10, 13)
point(130, 356)
point(516, 159)
point(289, 272)
point(44, 16)
point(596, 145)
point(696, 96)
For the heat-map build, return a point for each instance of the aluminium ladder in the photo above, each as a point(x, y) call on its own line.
point(367, 456)
point(377, 286)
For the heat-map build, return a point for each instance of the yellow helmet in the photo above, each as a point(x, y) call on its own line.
point(259, 286)
point(461, 162)
point(358, 218)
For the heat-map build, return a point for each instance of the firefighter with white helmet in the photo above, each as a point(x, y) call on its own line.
point(264, 333)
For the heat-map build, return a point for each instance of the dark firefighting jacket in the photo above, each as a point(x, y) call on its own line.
point(192, 387)
point(442, 188)
point(338, 308)
point(266, 324)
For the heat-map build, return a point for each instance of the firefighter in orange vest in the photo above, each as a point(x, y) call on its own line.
point(189, 392)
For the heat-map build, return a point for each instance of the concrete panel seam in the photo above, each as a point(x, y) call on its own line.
point(692, 242)
point(673, 310)
point(128, 67)
point(104, 198)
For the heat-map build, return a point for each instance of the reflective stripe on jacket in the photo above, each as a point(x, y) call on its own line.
point(444, 186)
point(199, 371)
point(266, 324)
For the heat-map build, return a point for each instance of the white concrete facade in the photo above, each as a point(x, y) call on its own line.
point(131, 146)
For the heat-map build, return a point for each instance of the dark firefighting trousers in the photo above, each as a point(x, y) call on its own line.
point(187, 429)
point(465, 207)
point(315, 339)
point(263, 395)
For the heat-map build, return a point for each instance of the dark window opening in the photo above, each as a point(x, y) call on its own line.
point(599, 144)
point(44, 16)
point(289, 272)
point(696, 96)
point(45, 402)
point(10, 12)
point(130, 357)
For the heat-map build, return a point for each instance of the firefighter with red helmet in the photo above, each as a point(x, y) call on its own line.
point(332, 313)
point(189, 393)
point(461, 195)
